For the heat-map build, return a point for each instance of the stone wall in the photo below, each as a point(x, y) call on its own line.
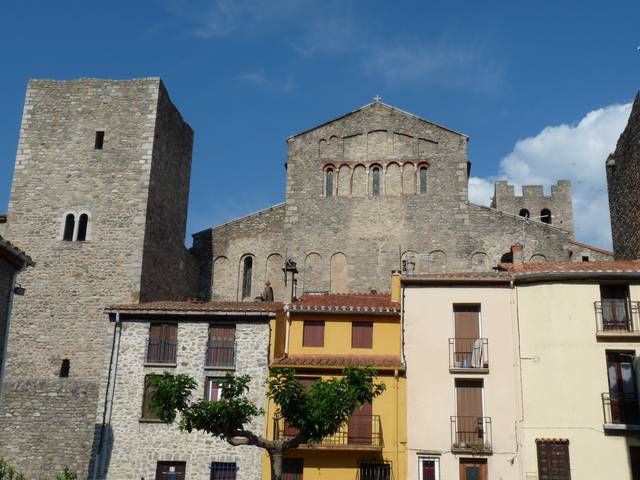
point(533, 200)
point(221, 251)
point(347, 236)
point(623, 180)
point(138, 446)
point(58, 171)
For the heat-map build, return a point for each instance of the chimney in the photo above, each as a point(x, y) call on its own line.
point(516, 253)
point(395, 286)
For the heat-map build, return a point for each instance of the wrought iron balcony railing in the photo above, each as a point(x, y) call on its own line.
point(621, 409)
point(471, 434)
point(223, 356)
point(468, 353)
point(161, 351)
point(617, 317)
point(362, 431)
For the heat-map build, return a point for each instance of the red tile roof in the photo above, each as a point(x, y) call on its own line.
point(591, 247)
point(197, 307)
point(458, 278)
point(340, 361)
point(346, 303)
point(612, 266)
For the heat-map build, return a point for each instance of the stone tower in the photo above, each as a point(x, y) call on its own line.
point(555, 209)
point(623, 181)
point(99, 199)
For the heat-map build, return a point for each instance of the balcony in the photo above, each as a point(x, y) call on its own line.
point(617, 318)
point(221, 356)
point(363, 432)
point(468, 355)
point(161, 352)
point(621, 411)
point(471, 435)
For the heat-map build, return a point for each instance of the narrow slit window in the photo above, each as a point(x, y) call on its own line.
point(99, 140)
point(64, 368)
point(247, 272)
point(329, 183)
point(375, 182)
point(423, 180)
point(83, 222)
point(69, 226)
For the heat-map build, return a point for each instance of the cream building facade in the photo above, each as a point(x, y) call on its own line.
point(459, 344)
point(548, 382)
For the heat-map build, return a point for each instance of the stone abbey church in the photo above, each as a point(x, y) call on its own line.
point(99, 201)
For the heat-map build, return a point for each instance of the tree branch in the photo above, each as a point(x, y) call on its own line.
point(251, 439)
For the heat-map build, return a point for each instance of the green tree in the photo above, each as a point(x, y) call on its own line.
point(316, 411)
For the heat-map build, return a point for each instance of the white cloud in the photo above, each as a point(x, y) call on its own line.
point(573, 152)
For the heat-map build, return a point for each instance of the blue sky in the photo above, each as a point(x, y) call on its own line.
point(542, 89)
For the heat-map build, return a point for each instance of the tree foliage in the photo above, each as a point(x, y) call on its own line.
point(316, 411)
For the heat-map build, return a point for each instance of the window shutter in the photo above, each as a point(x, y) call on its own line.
point(313, 333)
point(221, 351)
point(362, 335)
point(292, 468)
point(146, 400)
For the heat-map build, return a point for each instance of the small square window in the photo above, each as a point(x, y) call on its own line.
point(223, 471)
point(99, 140)
point(171, 470)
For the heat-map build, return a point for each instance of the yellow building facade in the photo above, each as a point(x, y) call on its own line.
point(319, 336)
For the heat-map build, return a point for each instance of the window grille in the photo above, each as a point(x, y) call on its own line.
point(223, 471)
point(375, 471)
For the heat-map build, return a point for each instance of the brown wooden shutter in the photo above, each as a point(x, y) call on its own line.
point(553, 459)
point(469, 426)
point(313, 333)
point(292, 468)
point(361, 426)
point(222, 340)
point(362, 335)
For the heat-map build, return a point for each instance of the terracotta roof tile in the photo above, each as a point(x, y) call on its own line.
point(346, 303)
point(458, 277)
point(340, 361)
point(197, 307)
point(609, 266)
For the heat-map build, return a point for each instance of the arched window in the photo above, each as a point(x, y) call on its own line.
point(69, 227)
point(545, 216)
point(375, 181)
point(82, 227)
point(247, 270)
point(328, 191)
point(423, 180)
point(524, 213)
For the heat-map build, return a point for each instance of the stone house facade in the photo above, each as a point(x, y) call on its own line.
point(375, 190)
point(99, 197)
point(12, 262)
point(135, 444)
point(623, 181)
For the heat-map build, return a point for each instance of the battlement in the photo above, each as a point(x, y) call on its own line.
point(555, 209)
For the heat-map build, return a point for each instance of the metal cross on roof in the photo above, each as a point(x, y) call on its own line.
point(377, 98)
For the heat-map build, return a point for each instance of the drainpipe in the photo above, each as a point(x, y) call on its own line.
point(286, 334)
point(397, 415)
point(109, 392)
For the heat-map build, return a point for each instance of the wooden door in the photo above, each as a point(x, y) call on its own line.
point(428, 470)
point(361, 426)
point(467, 331)
point(622, 387)
point(553, 459)
point(171, 470)
point(469, 422)
point(292, 468)
point(473, 469)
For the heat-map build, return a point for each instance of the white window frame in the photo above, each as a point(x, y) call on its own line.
point(428, 458)
point(208, 381)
